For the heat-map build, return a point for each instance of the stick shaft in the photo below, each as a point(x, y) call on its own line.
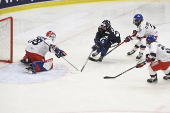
point(107, 77)
point(64, 58)
point(86, 61)
point(70, 63)
point(114, 48)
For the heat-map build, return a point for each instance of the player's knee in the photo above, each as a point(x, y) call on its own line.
point(136, 46)
point(142, 47)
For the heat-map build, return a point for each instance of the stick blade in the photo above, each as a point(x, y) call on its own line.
point(108, 77)
point(82, 69)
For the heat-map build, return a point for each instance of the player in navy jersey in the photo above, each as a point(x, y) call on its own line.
point(105, 37)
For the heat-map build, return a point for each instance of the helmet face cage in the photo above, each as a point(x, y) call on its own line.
point(51, 35)
point(105, 24)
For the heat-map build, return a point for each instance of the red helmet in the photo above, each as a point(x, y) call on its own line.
point(51, 34)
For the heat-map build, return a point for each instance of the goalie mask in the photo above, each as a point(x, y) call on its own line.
point(51, 35)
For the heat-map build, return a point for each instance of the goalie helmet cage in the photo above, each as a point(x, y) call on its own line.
point(6, 37)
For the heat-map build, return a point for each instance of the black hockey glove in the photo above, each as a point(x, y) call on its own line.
point(95, 47)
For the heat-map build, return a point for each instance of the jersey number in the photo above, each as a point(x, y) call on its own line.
point(149, 25)
point(163, 48)
point(37, 41)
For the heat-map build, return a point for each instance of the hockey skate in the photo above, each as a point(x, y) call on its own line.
point(100, 58)
point(95, 53)
point(131, 52)
point(139, 56)
point(29, 70)
point(96, 60)
point(25, 60)
point(166, 77)
point(152, 80)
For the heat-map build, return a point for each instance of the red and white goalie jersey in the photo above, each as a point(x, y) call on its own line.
point(40, 45)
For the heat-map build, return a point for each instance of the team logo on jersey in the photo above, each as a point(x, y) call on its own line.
point(107, 32)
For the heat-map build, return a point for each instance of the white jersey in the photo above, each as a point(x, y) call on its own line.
point(145, 29)
point(162, 53)
point(39, 46)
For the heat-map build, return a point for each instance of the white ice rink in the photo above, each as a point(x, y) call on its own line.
point(63, 89)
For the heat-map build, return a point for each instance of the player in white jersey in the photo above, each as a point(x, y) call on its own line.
point(36, 51)
point(159, 58)
point(144, 29)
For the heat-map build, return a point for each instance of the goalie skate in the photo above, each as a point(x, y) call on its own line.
point(29, 70)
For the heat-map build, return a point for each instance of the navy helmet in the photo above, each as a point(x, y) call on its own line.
point(138, 17)
point(104, 26)
point(106, 23)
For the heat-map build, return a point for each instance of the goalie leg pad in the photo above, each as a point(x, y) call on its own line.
point(40, 66)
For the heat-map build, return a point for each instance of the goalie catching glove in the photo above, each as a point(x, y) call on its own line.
point(60, 53)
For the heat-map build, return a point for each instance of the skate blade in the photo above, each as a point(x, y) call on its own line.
point(138, 59)
point(27, 71)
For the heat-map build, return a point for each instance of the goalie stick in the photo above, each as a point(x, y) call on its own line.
point(63, 58)
point(109, 77)
point(96, 60)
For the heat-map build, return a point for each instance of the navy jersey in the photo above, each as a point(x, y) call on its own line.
point(105, 36)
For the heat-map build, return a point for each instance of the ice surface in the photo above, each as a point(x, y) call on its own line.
point(63, 90)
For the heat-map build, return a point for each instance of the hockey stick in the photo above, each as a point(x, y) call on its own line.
point(70, 63)
point(62, 57)
point(108, 77)
point(114, 48)
point(86, 61)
